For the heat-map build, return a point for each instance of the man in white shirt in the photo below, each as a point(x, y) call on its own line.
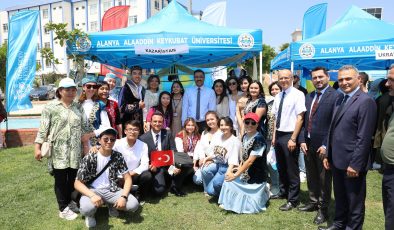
point(135, 153)
point(198, 100)
point(289, 108)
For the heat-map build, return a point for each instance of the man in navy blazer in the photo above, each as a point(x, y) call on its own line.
point(349, 148)
point(320, 105)
point(162, 139)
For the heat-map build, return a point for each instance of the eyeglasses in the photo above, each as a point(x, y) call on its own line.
point(132, 130)
point(91, 86)
point(107, 140)
point(250, 123)
point(232, 83)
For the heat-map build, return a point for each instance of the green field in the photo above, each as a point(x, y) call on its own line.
point(27, 201)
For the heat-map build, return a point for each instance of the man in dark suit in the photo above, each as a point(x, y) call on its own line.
point(131, 98)
point(320, 105)
point(348, 150)
point(162, 139)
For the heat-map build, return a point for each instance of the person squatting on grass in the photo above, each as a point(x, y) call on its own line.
point(104, 188)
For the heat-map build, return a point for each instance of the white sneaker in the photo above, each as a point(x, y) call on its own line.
point(73, 206)
point(112, 211)
point(68, 214)
point(90, 222)
point(302, 177)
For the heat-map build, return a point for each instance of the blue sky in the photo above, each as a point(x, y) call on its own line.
point(278, 18)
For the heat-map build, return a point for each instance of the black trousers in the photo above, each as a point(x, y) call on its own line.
point(349, 199)
point(318, 179)
point(289, 173)
point(388, 196)
point(144, 182)
point(161, 178)
point(64, 185)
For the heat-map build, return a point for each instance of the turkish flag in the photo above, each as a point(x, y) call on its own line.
point(162, 158)
point(114, 18)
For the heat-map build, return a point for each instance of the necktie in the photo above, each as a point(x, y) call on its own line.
point(280, 110)
point(313, 110)
point(340, 107)
point(157, 142)
point(198, 104)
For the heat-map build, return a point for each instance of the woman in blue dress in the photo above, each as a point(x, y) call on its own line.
point(245, 189)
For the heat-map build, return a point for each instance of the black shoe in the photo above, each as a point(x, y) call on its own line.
point(308, 208)
point(321, 217)
point(332, 227)
point(177, 192)
point(287, 207)
point(279, 196)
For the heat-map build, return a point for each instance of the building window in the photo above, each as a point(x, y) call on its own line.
point(157, 5)
point(93, 26)
point(46, 30)
point(60, 7)
point(93, 9)
point(120, 2)
point(83, 7)
point(5, 27)
point(47, 45)
point(77, 25)
point(54, 8)
point(83, 23)
point(107, 5)
point(76, 8)
point(48, 63)
point(5, 41)
point(38, 63)
point(45, 13)
point(38, 47)
point(133, 3)
point(132, 20)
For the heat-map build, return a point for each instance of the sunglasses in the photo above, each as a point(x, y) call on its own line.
point(250, 123)
point(232, 83)
point(92, 86)
point(107, 140)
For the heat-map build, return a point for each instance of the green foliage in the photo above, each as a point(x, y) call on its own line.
point(284, 46)
point(51, 78)
point(28, 201)
point(268, 54)
point(3, 62)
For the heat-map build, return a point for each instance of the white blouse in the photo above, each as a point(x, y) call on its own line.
point(205, 144)
point(88, 106)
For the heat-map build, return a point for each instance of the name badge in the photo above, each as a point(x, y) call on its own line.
point(175, 114)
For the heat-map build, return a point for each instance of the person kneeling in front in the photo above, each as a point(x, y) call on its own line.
point(97, 178)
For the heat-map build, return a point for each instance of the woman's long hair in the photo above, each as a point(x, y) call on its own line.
point(228, 85)
point(150, 78)
point(229, 122)
point(260, 89)
point(207, 129)
point(159, 107)
point(180, 85)
point(82, 97)
point(185, 134)
point(223, 94)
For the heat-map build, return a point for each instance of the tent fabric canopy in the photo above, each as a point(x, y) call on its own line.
point(352, 40)
point(172, 36)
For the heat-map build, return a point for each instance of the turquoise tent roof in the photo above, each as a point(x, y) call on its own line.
point(352, 40)
point(172, 36)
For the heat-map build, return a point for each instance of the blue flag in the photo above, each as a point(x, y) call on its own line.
point(21, 59)
point(314, 21)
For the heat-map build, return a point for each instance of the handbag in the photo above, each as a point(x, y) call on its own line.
point(182, 160)
point(46, 147)
point(76, 195)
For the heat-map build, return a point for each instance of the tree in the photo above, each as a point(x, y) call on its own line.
point(268, 54)
point(284, 46)
point(3, 61)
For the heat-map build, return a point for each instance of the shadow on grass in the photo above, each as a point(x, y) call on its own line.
point(102, 217)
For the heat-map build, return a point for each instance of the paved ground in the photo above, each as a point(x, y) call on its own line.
point(35, 111)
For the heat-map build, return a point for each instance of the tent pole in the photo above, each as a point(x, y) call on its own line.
point(261, 66)
point(190, 7)
point(292, 66)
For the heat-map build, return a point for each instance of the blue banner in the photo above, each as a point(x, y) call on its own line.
point(314, 21)
point(21, 59)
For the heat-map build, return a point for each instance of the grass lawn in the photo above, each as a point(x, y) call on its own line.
point(27, 201)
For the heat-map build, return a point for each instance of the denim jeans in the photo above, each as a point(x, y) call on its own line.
point(213, 178)
point(197, 177)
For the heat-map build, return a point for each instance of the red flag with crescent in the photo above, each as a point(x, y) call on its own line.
point(162, 158)
point(114, 18)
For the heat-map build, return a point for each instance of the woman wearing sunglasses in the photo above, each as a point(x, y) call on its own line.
point(225, 152)
point(233, 95)
point(95, 112)
point(245, 189)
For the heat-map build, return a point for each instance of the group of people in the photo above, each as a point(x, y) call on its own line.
point(102, 143)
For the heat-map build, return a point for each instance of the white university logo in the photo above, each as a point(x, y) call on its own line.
point(307, 50)
point(246, 41)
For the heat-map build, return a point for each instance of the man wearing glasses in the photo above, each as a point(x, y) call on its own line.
point(135, 153)
point(97, 179)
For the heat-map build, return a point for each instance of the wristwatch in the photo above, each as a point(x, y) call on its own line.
point(125, 197)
